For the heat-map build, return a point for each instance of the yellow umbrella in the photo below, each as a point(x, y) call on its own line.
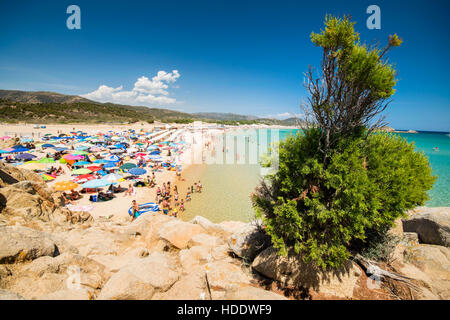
point(65, 185)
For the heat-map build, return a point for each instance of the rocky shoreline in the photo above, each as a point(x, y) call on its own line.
point(50, 253)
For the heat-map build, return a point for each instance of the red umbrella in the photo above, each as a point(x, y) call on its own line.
point(83, 178)
point(94, 168)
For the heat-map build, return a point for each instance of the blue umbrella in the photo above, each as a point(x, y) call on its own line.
point(25, 156)
point(109, 165)
point(101, 161)
point(81, 163)
point(48, 145)
point(96, 183)
point(20, 149)
point(137, 171)
point(60, 149)
point(113, 158)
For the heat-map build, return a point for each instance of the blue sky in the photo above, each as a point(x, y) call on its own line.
point(244, 57)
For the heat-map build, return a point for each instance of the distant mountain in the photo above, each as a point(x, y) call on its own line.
point(223, 116)
point(51, 107)
point(39, 97)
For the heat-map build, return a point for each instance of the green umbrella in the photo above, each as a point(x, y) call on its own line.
point(80, 152)
point(127, 166)
point(81, 171)
point(46, 160)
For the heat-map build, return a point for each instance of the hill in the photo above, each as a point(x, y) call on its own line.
point(50, 107)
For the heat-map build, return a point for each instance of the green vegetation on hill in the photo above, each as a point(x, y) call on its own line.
point(50, 107)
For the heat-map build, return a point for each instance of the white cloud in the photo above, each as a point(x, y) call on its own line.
point(284, 115)
point(146, 92)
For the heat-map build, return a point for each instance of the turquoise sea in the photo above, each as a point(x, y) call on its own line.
point(227, 187)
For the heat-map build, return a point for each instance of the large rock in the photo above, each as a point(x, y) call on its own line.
point(179, 233)
point(20, 244)
point(431, 224)
point(140, 279)
point(223, 229)
point(249, 241)
point(253, 293)
point(126, 285)
point(206, 240)
point(8, 295)
point(292, 271)
point(191, 286)
point(226, 276)
point(67, 295)
point(194, 256)
point(434, 261)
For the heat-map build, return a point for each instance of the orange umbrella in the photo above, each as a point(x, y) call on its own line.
point(65, 185)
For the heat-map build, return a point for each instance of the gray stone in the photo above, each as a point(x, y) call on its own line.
point(292, 271)
point(249, 241)
point(21, 244)
point(431, 224)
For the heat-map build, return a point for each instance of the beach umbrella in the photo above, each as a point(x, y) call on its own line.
point(26, 140)
point(65, 186)
point(81, 163)
point(20, 149)
point(96, 183)
point(47, 145)
point(80, 153)
point(137, 171)
point(81, 171)
point(47, 177)
point(25, 156)
point(94, 168)
point(46, 160)
point(72, 157)
point(101, 161)
point(117, 151)
point(113, 158)
point(109, 165)
point(3, 151)
point(5, 137)
point(112, 177)
point(83, 178)
point(127, 166)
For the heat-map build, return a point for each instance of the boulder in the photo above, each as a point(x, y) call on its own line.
point(249, 241)
point(224, 229)
point(434, 261)
point(431, 224)
point(179, 233)
point(20, 244)
point(191, 286)
point(203, 239)
point(126, 285)
point(8, 295)
point(226, 276)
point(67, 295)
point(292, 271)
point(194, 256)
point(92, 274)
point(411, 238)
point(253, 293)
point(155, 270)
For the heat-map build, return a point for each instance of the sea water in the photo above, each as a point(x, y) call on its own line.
point(227, 187)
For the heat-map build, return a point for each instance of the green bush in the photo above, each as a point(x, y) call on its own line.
point(320, 210)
